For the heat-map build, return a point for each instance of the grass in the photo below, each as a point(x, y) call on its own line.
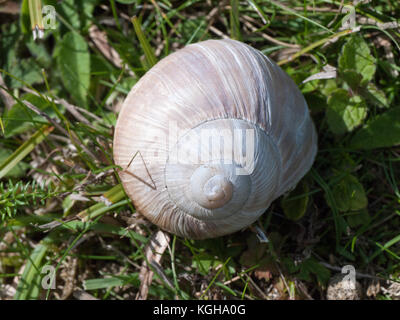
point(65, 217)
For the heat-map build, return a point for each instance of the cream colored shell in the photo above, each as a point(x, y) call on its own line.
point(174, 170)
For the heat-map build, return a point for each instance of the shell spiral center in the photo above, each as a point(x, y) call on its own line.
point(209, 189)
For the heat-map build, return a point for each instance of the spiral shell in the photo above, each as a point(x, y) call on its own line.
point(210, 136)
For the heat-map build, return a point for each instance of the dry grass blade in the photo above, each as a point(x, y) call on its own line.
point(83, 295)
point(7, 98)
point(153, 252)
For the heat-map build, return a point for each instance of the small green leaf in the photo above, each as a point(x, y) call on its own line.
point(382, 131)
point(204, 262)
point(345, 112)
point(294, 204)
point(328, 87)
point(356, 56)
point(74, 62)
point(348, 194)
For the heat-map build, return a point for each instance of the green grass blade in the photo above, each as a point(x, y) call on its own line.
point(111, 201)
point(148, 50)
point(24, 149)
point(215, 277)
point(315, 45)
point(385, 247)
point(234, 19)
point(285, 8)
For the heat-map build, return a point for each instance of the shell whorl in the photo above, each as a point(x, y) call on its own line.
point(165, 139)
point(221, 153)
point(210, 187)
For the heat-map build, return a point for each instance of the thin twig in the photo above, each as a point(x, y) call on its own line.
point(358, 274)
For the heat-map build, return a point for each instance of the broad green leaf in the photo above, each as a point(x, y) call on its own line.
point(294, 204)
point(345, 112)
point(356, 56)
point(382, 131)
point(74, 62)
point(348, 195)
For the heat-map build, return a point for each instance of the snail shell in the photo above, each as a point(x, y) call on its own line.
point(210, 136)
